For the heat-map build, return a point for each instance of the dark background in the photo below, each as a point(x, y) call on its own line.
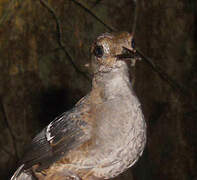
point(38, 79)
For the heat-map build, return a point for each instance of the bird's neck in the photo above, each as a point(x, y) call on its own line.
point(113, 84)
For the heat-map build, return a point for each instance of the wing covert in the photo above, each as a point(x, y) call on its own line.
point(64, 133)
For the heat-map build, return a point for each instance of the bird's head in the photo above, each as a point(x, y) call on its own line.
point(112, 51)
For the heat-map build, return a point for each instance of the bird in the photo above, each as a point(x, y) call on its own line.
point(104, 133)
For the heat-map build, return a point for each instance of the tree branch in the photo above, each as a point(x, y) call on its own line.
point(135, 17)
point(93, 15)
point(59, 38)
point(175, 85)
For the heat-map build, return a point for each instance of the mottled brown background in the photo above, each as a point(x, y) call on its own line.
point(38, 82)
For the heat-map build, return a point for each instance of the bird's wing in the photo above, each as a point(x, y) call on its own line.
point(65, 133)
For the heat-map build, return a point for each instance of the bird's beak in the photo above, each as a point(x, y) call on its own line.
point(128, 54)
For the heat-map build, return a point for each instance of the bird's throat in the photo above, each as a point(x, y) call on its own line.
point(113, 84)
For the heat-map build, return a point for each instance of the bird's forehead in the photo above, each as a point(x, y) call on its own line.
point(115, 40)
point(106, 43)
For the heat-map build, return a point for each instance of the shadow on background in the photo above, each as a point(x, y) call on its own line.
point(53, 102)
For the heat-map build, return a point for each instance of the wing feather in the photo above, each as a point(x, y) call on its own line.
point(65, 133)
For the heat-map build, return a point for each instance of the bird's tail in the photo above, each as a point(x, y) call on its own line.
point(20, 174)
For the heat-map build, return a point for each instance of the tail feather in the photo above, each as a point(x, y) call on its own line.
point(21, 175)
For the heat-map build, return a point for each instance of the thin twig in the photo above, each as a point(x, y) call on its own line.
point(59, 38)
point(110, 28)
point(156, 68)
point(135, 17)
point(2, 108)
point(175, 85)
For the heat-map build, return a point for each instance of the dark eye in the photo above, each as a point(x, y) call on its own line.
point(133, 43)
point(98, 51)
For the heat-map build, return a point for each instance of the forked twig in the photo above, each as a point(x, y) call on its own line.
point(59, 38)
point(156, 68)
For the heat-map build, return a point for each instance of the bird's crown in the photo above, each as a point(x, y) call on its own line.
point(111, 50)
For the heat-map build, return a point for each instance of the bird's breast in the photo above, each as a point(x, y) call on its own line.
point(119, 136)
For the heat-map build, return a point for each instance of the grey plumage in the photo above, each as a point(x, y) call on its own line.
point(104, 134)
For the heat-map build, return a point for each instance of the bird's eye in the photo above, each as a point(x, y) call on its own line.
point(133, 43)
point(98, 51)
